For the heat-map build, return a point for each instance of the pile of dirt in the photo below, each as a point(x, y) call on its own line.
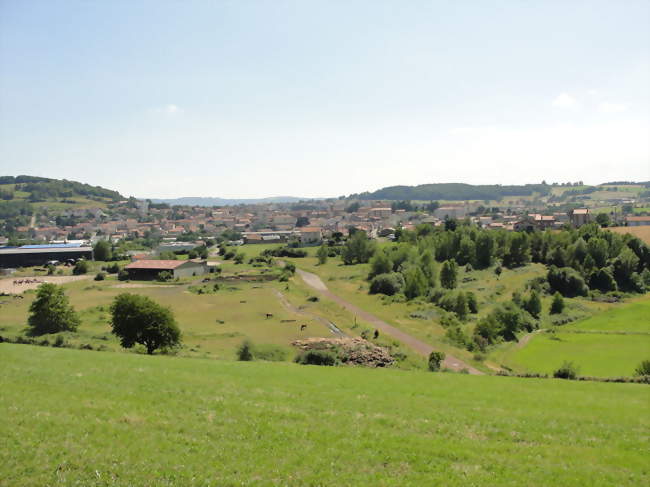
point(351, 351)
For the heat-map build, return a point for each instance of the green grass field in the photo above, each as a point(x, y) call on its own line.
point(103, 419)
point(596, 355)
point(608, 344)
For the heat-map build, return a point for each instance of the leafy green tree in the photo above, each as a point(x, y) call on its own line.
point(435, 360)
point(322, 254)
point(484, 250)
point(461, 307)
point(518, 250)
point(567, 282)
point(603, 220)
point(472, 302)
point(415, 284)
point(380, 263)
point(599, 251)
point(388, 284)
point(358, 249)
point(428, 266)
point(103, 251)
point(625, 266)
point(603, 280)
point(449, 274)
point(139, 319)
point(466, 251)
point(533, 304)
point(557, 305)
point(51, 311)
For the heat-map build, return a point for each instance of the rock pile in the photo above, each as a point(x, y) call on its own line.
point(351, 351)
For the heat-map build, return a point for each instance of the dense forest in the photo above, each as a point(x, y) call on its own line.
point(452, 191)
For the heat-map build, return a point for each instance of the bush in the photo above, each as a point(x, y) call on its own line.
point(557, 306)
point(643, 368)
point(123, 275)
point(81, 267)
point(112, 268)
point(100, 276)
point(245, 351)
point(388, 284)
point(316, 357)
point(567, 282)
point(567, 371)
point(435, 359)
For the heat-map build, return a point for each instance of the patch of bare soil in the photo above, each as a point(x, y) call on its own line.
point(352, 351)
point(18, 285)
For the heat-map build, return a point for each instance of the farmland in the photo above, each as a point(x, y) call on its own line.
point(68, 415)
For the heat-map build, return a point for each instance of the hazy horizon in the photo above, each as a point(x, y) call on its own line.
point(315, 100)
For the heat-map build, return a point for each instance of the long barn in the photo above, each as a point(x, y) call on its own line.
point(36, 255)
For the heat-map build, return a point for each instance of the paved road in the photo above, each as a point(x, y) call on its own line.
point(419, 346)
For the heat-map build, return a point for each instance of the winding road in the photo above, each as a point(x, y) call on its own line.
point(422, 348)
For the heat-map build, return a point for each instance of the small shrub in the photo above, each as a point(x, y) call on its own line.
point(123, 275)
point(245, 351)
point(59, 341)
point(313, 299)
point(100, 276)
point(568, 370)
point(81, 267)
point(435, 359)
point(643, 368)
point(316, 357)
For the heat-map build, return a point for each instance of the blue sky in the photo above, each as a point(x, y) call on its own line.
point(305, 98)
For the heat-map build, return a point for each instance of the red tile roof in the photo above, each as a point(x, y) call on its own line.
point(155, 264)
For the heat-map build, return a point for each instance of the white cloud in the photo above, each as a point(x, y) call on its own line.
point(565, 100)
point(592, 92)
point(606, 107)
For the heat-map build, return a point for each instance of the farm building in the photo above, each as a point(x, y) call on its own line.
point(580, 216)
point(149, 269)
point(35, 255)
point(637, 221)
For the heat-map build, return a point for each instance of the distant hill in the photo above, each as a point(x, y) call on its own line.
point(452, 191)
point(37, 189)
point(199, 201)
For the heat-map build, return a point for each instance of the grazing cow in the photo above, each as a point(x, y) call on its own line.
point(242, 301)
point(303, 327)
point(269, 315)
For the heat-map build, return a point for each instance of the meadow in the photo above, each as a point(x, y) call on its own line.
point(69, 415)
point(608, 344)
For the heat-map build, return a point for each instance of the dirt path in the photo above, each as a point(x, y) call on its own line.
point(10, 285)
point(333, 328)
point(525, 339)
point(419, 346)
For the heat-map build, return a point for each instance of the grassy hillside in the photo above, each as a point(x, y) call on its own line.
point(87, 418)
point(612, 343)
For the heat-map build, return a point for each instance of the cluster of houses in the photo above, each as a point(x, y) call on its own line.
point(308, 223)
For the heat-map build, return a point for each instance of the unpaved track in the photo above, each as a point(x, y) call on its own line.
point(333, 328)
point(419, 346)
point(7, 285)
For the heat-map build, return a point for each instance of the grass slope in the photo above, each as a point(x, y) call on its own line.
point(87, 418)
point(612, 343)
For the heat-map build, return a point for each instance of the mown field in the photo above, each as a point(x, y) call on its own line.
point(75, 417)
point(609, 344)
point(642, 232)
